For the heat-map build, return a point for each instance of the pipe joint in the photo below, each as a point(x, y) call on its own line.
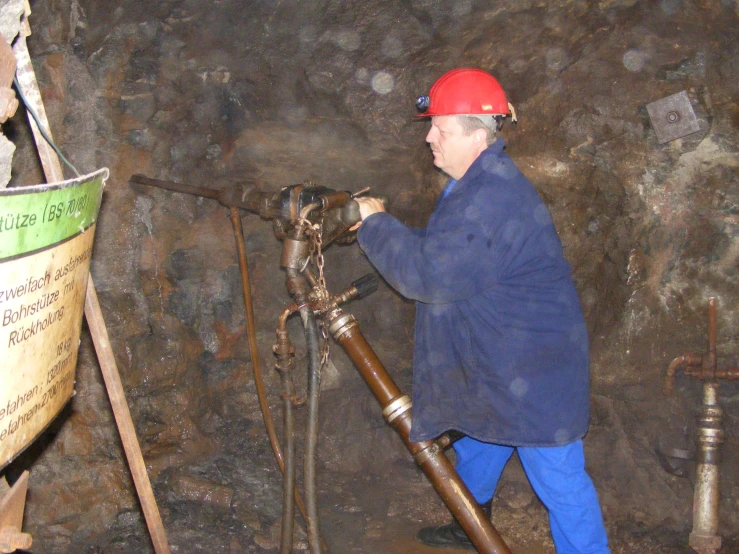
point(284, 351)
point(687, 362)
point(427, 453)
point(397, 408)
point(341, 324)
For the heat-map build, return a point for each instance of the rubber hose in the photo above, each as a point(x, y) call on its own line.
point(311, 433)
point(256, 364)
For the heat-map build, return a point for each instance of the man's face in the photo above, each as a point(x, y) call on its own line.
point(453, 151)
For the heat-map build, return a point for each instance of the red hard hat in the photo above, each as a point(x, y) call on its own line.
point(465, 91)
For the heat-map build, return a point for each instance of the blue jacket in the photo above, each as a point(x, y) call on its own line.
point(501, 347)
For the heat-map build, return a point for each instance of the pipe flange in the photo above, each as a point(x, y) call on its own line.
point(341, 325)
point(397, 408)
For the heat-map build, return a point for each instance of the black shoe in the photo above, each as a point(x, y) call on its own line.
point(450, 535)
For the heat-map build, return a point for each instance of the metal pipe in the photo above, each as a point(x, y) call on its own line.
point(429, 455)
point(205, 192)
point(704, 537)
point(245, 196)
point(686, 362)
point(709, 437)
point(252, 337)
point(712, 325)
point(284, 351)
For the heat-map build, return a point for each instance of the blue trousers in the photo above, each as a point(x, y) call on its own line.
point(557, 475)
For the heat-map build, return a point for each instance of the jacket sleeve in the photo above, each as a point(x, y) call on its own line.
point(454, 260)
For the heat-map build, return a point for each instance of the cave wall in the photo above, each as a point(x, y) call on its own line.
point(220, 93)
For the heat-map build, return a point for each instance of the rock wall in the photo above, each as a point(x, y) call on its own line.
point(220, 93)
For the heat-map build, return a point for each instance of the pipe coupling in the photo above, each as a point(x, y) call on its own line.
point(708, 442)
point(709, 435)
point(396, 408)
point(424, 455)
point(341, 324)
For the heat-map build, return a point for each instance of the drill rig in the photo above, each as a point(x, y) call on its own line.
point(307, 218)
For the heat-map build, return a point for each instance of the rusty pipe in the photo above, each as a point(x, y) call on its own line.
point(284, 351)
point(252, 337)
point(709, 436)
point(244, 196)
point(730, 374)
point(305, 212)
point(702, 366)
point(429, 455)
point(685, 361)
point(712, 325)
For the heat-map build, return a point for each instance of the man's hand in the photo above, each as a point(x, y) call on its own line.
point(367, 206)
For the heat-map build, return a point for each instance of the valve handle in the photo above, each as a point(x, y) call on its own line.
point(366, 285)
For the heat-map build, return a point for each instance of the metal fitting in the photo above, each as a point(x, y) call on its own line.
point(294, 253)
point(423, 456)
point(341, 324)
point(397, 407)
point(709, 435)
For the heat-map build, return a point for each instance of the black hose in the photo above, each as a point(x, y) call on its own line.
point(256, 362)
point(311, 434)
point(297, 285)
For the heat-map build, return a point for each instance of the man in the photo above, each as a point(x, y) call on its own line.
point(501, 347)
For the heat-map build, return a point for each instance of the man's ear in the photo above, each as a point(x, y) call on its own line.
point(481, 135)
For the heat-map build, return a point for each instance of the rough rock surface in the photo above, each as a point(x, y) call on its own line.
point(218, 92)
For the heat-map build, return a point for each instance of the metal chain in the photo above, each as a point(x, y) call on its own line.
point(325, 346)
point(320, 261)
point(320, 293)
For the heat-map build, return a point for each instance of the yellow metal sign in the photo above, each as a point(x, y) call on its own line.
point(46, 237)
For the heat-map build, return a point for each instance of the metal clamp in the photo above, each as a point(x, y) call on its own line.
point(397, 408)
point(341, 325)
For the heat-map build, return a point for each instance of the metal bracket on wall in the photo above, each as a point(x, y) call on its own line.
point(673, 117)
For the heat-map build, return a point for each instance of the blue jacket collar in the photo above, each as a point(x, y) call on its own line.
point(494, 150)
